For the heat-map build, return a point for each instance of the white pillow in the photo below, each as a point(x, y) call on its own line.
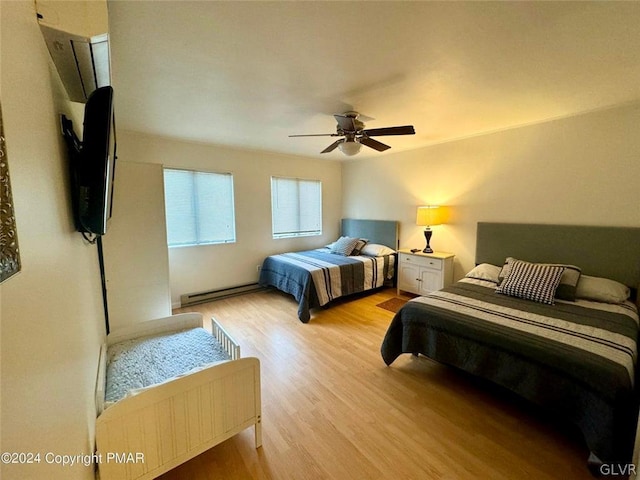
point(602, 290)
point(485, 271)
point(376, 250)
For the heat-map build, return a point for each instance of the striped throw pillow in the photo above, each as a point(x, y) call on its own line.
point(532, 281)
point(344, 245)
point(568, 282)
point(359, 245)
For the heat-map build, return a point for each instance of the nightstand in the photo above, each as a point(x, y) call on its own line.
point(422, 273)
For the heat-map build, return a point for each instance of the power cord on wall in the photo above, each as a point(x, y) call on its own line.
point(98, 240)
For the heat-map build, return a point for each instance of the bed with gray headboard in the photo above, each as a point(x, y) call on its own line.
point(555, 324)
point(317, 277)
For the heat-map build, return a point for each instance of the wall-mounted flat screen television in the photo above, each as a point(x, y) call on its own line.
point(92, 163)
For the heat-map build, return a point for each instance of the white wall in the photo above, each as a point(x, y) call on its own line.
point(51, 312)
point(578, 170)
point(202, 268)
point(80, 17)
point(135, 246)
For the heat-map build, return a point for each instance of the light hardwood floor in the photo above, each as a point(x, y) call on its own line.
point(333, 410)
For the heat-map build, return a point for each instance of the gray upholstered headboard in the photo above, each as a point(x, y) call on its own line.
point(611, 252)
point(384, 232)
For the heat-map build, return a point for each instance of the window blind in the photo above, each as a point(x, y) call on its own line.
point(199, 207)
point(296, 207)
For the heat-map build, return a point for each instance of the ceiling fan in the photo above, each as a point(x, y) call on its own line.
point(355, 135)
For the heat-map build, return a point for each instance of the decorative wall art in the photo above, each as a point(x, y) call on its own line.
point(9, 253)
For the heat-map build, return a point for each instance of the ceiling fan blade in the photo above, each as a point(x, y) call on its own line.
point(317, 135)
point(346, 123)
point(333, 146)
point(379, 132)
point(365, 118)
point(376, 145)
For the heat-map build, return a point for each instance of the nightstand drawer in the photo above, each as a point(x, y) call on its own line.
point(434, 263)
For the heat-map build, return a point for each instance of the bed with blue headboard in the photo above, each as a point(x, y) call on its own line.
point(570, 348)
point(317, 277)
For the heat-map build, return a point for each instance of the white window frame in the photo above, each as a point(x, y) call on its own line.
point(198, 224)
point(299, 223)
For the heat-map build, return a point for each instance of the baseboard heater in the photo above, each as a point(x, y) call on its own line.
point(201, 297)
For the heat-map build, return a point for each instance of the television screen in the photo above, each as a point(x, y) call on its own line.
point(92, 163)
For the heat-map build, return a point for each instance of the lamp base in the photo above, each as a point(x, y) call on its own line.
point(427, 236)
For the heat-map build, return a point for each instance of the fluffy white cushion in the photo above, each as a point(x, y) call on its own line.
point(145, 361)
point(376, 250)
point(532, 281)
point(602, 290)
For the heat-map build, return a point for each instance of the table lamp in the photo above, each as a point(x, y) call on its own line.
point(428, 216)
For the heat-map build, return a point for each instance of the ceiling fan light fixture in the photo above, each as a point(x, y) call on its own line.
point(350, 148)
point(355, 135)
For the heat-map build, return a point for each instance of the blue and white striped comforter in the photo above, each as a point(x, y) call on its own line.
point(316, 277)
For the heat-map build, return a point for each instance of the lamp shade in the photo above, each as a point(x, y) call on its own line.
point(429, 215)
point(349, 148)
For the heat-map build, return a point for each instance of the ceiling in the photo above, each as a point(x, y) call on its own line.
point(248, 74)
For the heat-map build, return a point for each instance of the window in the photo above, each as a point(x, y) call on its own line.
point(198, 207)
point(296, 207)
